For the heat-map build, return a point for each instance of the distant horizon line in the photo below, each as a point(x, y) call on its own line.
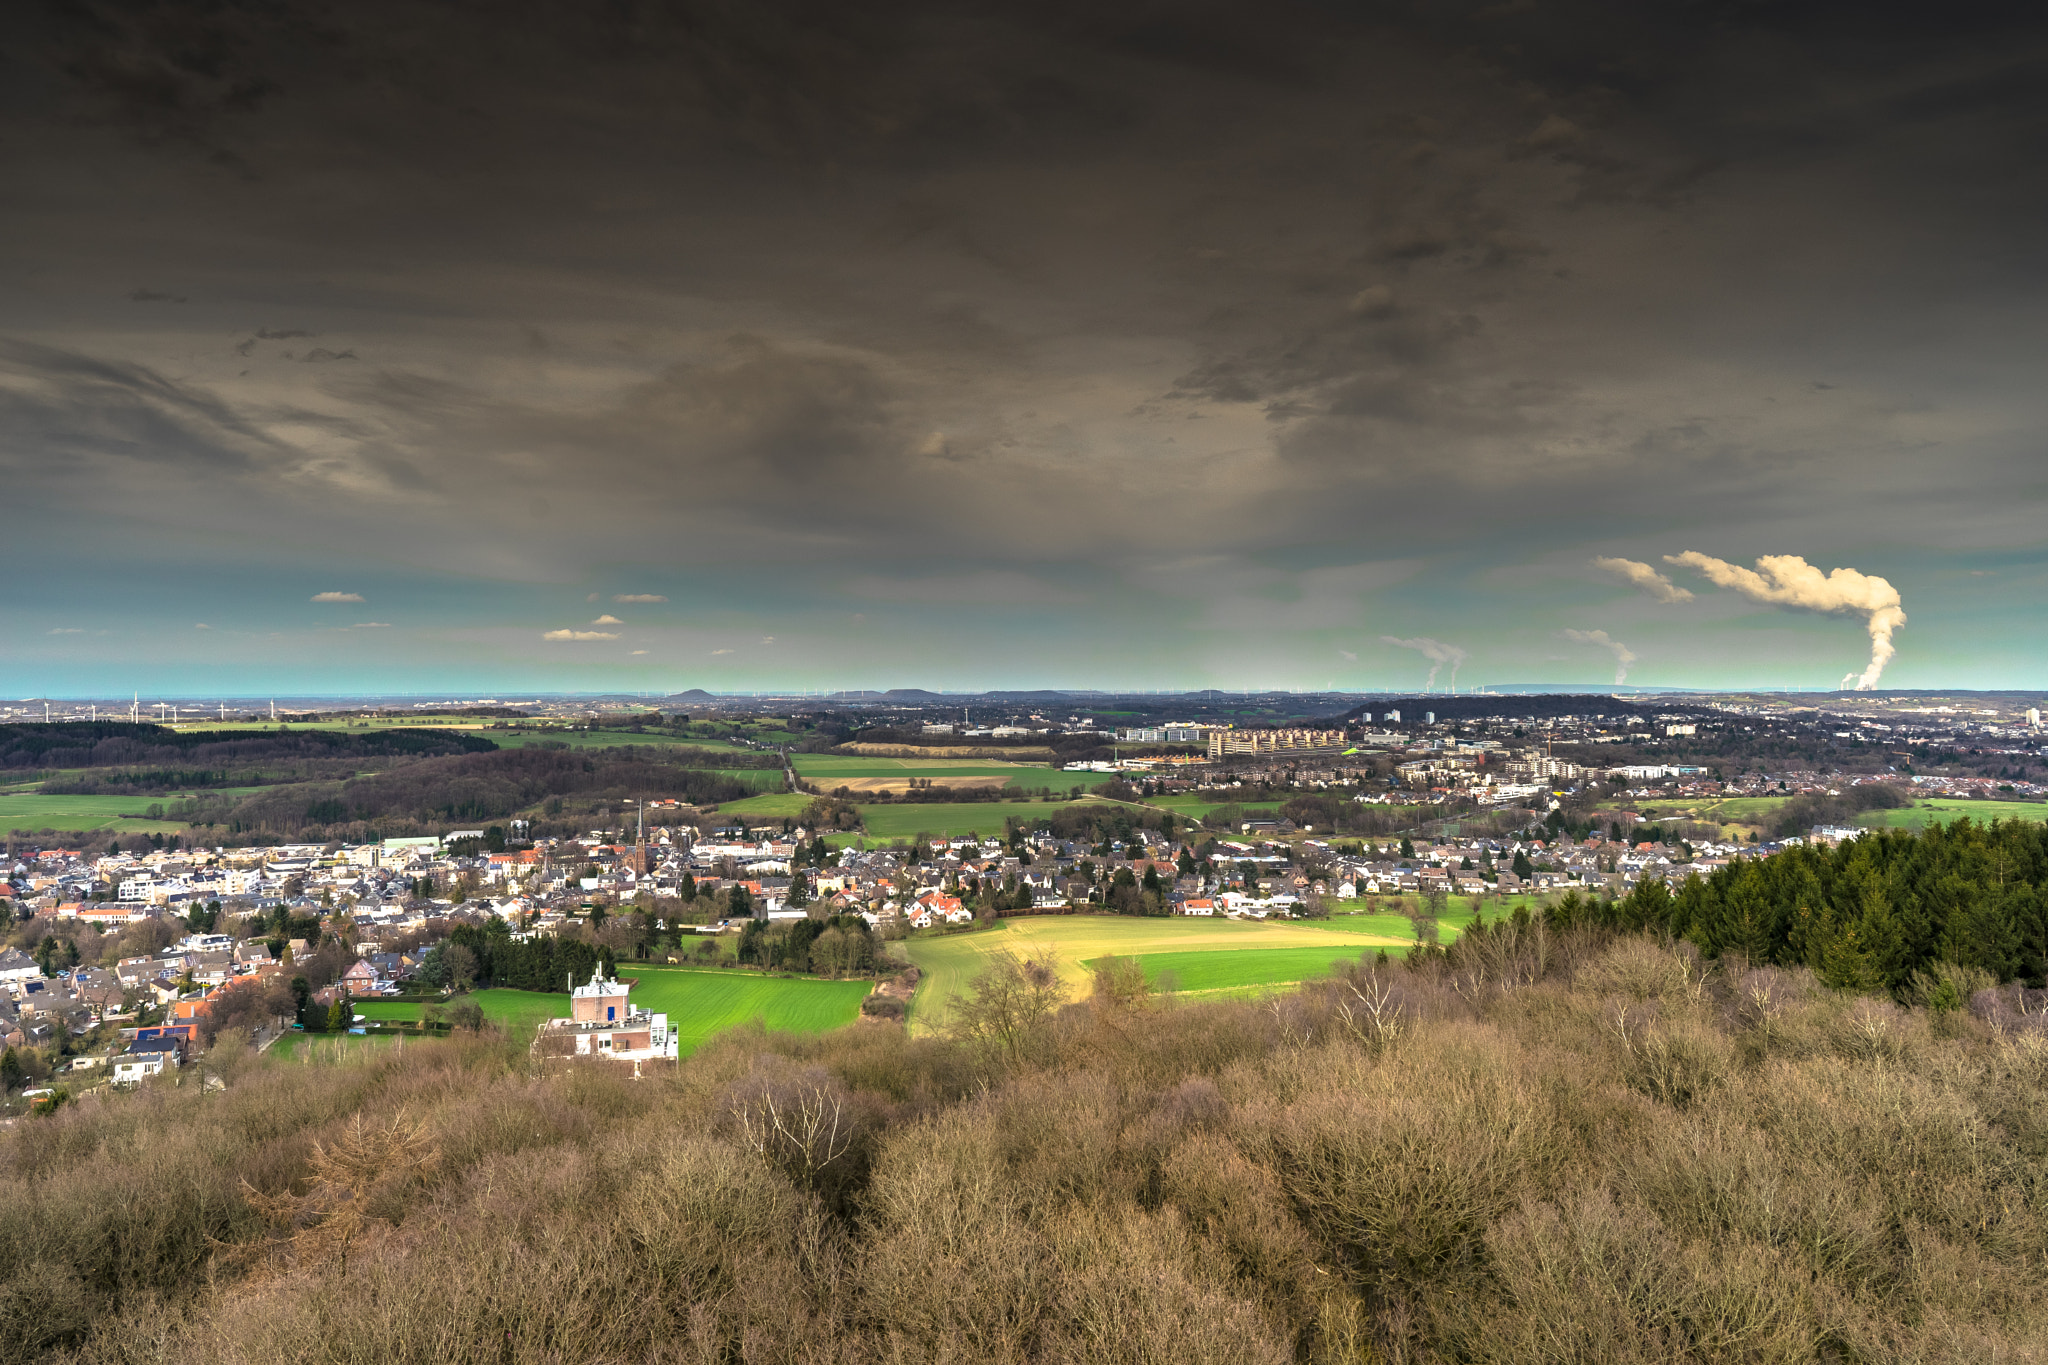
point(447, 697)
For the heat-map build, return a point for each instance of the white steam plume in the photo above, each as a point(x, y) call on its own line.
point(1437, 652)
point(1638, 574)
point(1623, 655)
point(1789, 581)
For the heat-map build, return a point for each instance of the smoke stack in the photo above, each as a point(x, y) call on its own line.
point(1623, 655)
point(1436, 651)
point(1789, 581)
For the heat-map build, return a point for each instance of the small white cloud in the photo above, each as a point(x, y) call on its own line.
point(591, 598)
point(767, 639)
point(68, 630)
point(720, 651)
point(1349, 655)
point(638, 597)
point(337, 597)
point(607, 620)
point(580, 635)
point(201, 625)
point(639, 651)
point(371, 625)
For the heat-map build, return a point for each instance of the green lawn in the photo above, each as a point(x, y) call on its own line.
point(520, 1012)
point(1941, 810)
point(700, 1003)
point(388, 1009)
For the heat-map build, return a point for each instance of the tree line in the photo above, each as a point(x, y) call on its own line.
point(1875, 913)
point(492, 785)
point(113, 744)
point(540, 963)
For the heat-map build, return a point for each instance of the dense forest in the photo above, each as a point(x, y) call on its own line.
point(1872, 914)
point(1539, 1145)
point(114, 744)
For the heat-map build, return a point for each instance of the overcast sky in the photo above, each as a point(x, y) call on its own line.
point(371, 346)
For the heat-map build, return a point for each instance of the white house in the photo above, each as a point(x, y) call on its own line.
point(148, 1057)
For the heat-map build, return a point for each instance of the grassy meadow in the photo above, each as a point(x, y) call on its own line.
point(950, 961)
point(767, 806)
point(1202, 954)
point(1943, 810)
point(1205, 972)
point(1198, 805)
point(831, 770)
point(32, 810)
point(951, 820)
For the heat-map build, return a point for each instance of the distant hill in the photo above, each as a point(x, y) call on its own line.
point(696, 696)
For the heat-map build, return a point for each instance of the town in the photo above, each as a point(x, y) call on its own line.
point(132, 956)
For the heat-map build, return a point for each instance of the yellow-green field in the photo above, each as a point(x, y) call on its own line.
point(1201, 955)
point(949, 962)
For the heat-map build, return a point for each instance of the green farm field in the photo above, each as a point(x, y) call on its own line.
point(949, 962)
point(1942, 810)
point(768, 806)
point(34, 811)
point(1196, 806)
point(830, 770)
point(1201, 972)
point(950, 820)
point(607, 739)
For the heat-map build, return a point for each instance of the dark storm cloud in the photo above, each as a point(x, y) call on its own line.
point(64, 414)
point(1094, 288)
